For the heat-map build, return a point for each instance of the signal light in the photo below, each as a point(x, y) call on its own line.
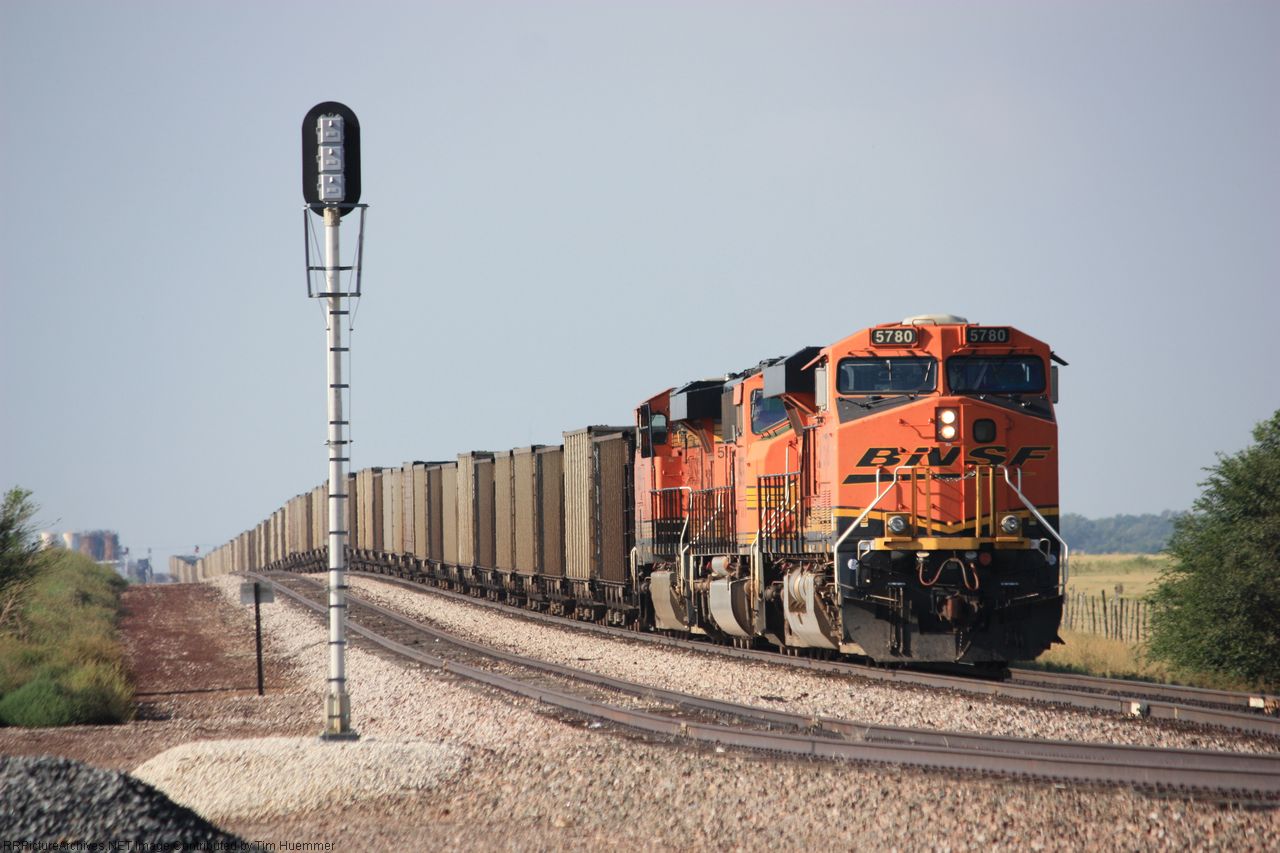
point(332, 183)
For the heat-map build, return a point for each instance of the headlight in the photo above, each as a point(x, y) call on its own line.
point(1010, 524)
point(948, 422)
point(897, 523)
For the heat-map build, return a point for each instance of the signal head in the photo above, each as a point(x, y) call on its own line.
point(331, 157)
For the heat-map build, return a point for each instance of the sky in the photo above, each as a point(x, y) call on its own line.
point(574, 205)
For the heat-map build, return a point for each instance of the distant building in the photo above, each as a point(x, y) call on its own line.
point(139, 571)
point(102, 546)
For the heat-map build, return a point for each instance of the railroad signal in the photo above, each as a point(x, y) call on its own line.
point(331, 188)
point(331, 158)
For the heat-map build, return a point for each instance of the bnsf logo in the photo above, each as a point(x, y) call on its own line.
point(936, 457)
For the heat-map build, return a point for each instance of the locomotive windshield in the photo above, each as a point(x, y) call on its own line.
point(995, 375)
point(907, 375)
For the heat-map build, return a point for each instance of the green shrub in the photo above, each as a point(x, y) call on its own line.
point(42, 701)
point(56, 696)
point(18, 545)
point(18, 663)
point(1217, 608)
point(102, 692)
point(61, 662)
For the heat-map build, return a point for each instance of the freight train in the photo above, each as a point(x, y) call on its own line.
point(892, 496)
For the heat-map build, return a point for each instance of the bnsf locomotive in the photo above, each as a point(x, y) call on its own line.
point(893, 495)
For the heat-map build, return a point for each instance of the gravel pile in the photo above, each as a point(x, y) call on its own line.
point(778, 687)
point(529, 779)
point(227, 779)
point(48, 799)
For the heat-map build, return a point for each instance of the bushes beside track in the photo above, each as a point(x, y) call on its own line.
point(61, 661)
point(1217, 606)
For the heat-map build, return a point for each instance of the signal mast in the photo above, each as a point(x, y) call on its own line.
point(331, 189)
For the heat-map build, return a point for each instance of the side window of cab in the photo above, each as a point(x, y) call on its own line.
point(766, 412)
point(653, 431)
point(658, 428)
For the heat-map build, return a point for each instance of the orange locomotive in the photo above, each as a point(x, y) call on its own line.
point(893, 495)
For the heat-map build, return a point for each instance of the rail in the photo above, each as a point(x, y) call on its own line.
point(819, 736)
point(1244, 701)
point(1126, 701)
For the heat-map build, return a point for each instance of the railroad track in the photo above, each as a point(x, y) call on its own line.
point(1126, 698)
point(670, 714)
point(1232, 700)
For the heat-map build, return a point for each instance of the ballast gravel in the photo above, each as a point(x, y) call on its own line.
point(48, 800)
point(532, 779)
point(782, 688)
point(233, 778)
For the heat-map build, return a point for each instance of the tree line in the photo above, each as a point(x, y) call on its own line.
point(1119, 534)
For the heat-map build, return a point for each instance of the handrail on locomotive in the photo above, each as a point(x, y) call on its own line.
point(864, 545)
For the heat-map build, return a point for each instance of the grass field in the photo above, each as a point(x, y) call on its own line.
point(1093, 655)
point(1135, 574)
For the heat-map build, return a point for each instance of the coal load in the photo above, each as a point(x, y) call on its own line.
point(48, 799)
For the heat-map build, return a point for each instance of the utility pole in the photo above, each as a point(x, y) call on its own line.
point(331, 188)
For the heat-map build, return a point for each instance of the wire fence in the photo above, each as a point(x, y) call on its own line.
point(1112, 616)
